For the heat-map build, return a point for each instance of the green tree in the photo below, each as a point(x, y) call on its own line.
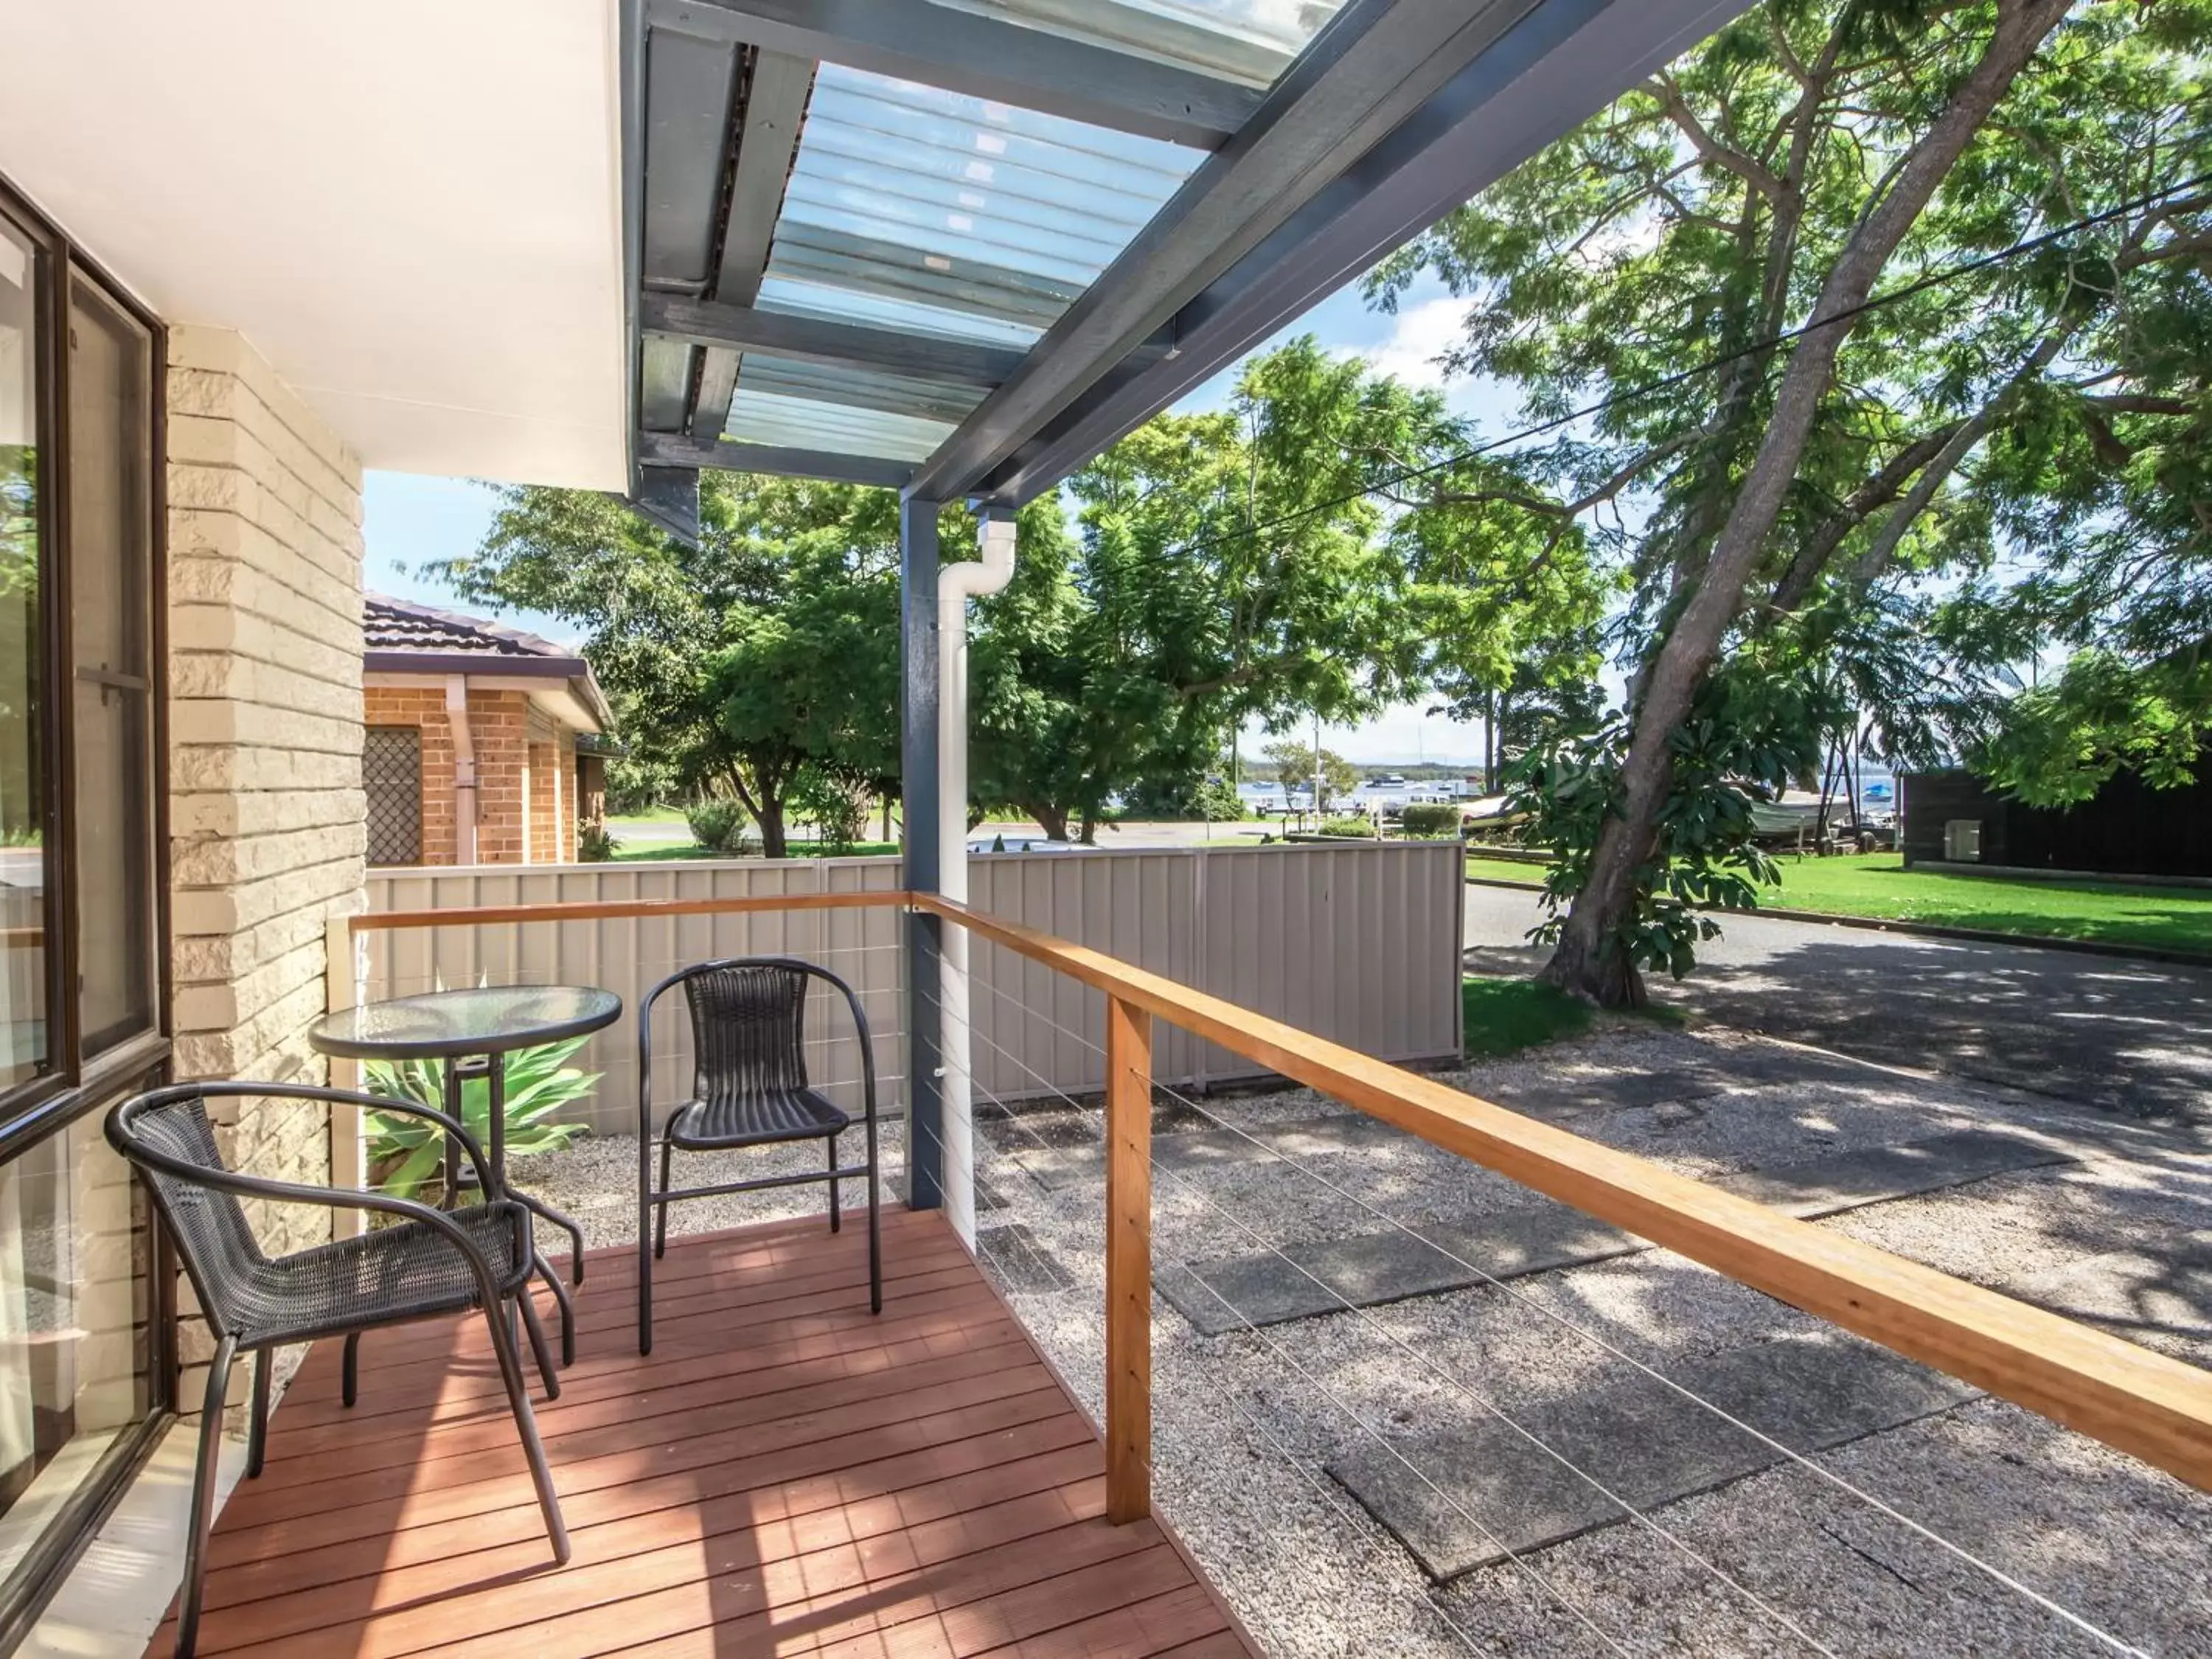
point(1242, 566)
point(769, 647)
point(1294, 760)
point(1765, 185)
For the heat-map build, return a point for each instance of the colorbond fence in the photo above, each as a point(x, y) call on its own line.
point(1358, 943)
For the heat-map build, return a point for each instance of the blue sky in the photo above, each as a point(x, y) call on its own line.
point(412, 520)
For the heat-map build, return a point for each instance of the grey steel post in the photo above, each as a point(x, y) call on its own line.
point(924, 1146)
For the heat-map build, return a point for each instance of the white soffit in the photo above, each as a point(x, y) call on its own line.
point(411, 208)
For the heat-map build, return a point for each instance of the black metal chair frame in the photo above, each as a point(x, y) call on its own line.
point(502, 1300)
point(653, 1203)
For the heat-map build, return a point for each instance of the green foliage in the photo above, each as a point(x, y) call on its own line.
point(1219, 575)
point(1293, 760)
point(1347, 829)
point(2017, 454)
point(1429, 818)
point(2063, 742)
point(405, 1153)
point(771, 645)
point(837, 809)
point(1184, 800)
point(595, 844)
point(637, 784)
point(1755, 725)
point(718, 825)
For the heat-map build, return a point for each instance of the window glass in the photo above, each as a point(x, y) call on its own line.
point(110, 534)
point(75, 1267)
point(23, 1039)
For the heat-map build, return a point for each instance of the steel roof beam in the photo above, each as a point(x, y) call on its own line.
point(768, 136)
point(1371, 67)
point(668, 497)
point(663, 449)
point(817, 340)
point(1554, 68)
point(981, 57)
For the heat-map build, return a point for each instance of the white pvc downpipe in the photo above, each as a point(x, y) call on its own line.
point(464, 769)
point(955, 585)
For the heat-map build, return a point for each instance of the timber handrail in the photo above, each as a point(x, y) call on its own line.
point(2158, 1408)
point(2130, 1397)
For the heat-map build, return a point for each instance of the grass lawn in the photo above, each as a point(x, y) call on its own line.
point(1505, 1016)
point(1512, 869)
point(662, 852)
point(1877, 884)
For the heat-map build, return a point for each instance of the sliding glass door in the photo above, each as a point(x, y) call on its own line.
point(80, 895)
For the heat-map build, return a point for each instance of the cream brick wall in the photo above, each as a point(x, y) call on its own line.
point(266, 817)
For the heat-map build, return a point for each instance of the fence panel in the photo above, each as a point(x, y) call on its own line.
point(1359, 942)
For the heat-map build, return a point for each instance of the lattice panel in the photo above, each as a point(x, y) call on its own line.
point(392, 774)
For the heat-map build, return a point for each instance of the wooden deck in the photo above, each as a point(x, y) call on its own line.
point(784, 1474)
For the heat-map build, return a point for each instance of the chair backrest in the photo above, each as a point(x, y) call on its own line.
point(748, 1030)
point(209, 1225)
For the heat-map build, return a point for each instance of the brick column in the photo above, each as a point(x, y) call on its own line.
point(265, 809)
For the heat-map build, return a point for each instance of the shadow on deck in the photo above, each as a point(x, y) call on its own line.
point(784, 1474)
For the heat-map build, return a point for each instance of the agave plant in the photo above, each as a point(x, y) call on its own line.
point(406, 1153)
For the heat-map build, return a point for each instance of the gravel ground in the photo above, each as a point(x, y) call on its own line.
point(1785, 1562)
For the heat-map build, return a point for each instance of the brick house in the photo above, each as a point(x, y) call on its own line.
point(478, 742)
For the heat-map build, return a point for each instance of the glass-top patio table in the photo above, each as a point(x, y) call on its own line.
point(473, 1031)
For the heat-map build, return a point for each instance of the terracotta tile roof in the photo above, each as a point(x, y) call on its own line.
point(389, 624)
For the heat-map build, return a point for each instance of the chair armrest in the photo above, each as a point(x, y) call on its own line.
point(452, 1126)
point(366, 1102)
point(335, 1198)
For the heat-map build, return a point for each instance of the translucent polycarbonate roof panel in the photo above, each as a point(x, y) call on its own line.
point(910, 206)
point(863, 388)
point(1248, 41)
point(772, 418)
point(848, 411)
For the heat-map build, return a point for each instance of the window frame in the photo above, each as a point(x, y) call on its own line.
point(70, 1087)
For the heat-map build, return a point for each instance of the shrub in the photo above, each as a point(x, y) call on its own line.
point(1350, 829)
point(594, 844)
point(718, 825)
point(1186, 798)
point(1427, 818)
point(407, 1154)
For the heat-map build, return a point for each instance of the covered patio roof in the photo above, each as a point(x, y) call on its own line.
point(956, 247)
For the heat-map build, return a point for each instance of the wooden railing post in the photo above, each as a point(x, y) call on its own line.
point(1129, 1262)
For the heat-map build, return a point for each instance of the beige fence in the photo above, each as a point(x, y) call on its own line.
point(1359, 942)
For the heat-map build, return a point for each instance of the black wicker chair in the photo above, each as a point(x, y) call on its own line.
point(749, 1088)
point(427, 1262)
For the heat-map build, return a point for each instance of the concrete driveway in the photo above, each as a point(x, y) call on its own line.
point(2127, 1036)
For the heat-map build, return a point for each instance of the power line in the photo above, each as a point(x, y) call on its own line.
point(1683, 377)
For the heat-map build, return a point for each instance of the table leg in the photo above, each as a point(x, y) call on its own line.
point(495, 1087)
point(537, 1206)
point(453, 1147)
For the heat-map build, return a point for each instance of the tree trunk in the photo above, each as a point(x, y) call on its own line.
point(1051, 817)
point(1584, 962)
point(770, 818)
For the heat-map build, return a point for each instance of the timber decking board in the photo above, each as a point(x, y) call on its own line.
point(783, 1474)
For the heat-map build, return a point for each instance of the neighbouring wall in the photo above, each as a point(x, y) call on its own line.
point(525, 771)
point(266, 808)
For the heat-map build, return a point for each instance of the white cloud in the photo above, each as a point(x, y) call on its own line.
point(1422, 333)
